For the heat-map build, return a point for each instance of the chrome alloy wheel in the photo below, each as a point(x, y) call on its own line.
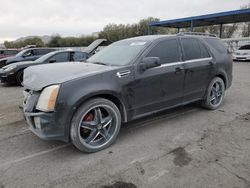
point(216, 93)
point(97, 126)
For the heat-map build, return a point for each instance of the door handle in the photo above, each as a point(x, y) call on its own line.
point(212, 63)
point(179, 70)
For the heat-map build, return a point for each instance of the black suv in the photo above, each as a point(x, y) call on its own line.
point(30, 54)
point(86, 103)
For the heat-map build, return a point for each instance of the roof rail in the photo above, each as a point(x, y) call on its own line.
point(196, 33)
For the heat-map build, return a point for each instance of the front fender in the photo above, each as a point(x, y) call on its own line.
point(74, 93)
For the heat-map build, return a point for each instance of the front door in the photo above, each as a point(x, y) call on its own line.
point(160, 87)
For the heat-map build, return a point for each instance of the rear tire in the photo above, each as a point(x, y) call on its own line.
point(215, 94)
point(19, 77)
point(95, 125)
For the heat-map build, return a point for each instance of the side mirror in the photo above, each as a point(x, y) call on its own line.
point(52, 60)
point(27, 55)
point(81, 60)
point(149, 62)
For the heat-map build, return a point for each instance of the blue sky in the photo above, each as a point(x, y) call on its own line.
point(77, 17)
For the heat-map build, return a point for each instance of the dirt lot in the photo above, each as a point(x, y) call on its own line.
point(184, 147)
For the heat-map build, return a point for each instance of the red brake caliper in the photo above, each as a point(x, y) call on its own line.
point(88, 117)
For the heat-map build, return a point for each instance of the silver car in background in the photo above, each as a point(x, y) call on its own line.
point(242, 54)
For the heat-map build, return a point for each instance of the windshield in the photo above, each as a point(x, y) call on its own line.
point(44, 57)
point(119, 53)
point(247, 47)
point(21, 53)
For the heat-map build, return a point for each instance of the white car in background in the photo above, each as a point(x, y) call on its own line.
point(242, 54)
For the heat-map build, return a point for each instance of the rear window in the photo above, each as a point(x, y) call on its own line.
point(217, 44)
point(246, 47)
point(10, 52)
point(194, 49)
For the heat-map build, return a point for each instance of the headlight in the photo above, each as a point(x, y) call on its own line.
point(9, 68)
point(47, 99)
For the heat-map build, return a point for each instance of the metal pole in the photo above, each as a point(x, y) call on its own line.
point(149, 30)
point(221, 26)
point(191, 26)
point(178, 30)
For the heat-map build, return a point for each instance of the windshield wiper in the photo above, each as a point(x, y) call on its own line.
point(99, 63)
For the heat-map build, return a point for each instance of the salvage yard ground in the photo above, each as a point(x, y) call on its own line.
point(184, 147)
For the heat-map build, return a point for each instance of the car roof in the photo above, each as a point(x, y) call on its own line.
point(151, 38)
point(67, 50)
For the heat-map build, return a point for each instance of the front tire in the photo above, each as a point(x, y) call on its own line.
point(19, 77)
point(95, 125)
point(215, 94)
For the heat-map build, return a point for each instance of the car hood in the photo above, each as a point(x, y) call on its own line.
point(242, 51)
point(9, 59)
point(22, 63)
point(5, 59)
point(40, 76)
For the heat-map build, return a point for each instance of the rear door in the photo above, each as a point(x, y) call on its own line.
point(198, 65)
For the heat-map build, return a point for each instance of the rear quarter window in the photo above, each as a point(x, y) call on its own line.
point(217, 44)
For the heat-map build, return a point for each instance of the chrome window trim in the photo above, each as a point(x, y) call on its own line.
point(184, 62)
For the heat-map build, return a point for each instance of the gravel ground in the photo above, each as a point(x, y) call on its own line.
point(183, 147)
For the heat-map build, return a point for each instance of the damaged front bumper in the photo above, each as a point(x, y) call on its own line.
point(43, 124)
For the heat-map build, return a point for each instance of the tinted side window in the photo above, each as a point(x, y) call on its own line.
point(61, 57)
point(77, 56)
point(10, 52)
point(194, 49)
point(204, 52)
point(29, 53)
point(217, 44)
point(167, 51)
point(40, 51)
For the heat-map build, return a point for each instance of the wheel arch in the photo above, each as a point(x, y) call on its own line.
point(223, 77)
point(106, 95)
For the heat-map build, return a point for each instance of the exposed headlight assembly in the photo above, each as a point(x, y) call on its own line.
point(47, 99)
point(9, 68)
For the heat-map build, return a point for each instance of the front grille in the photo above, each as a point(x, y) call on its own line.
point(30, 100)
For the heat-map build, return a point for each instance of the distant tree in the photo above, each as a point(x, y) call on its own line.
point(246, 26)
point(54, 41)
point(34, 41)
point(227, 30)
point(114, 32)
point(58, 41)
point(30, 41)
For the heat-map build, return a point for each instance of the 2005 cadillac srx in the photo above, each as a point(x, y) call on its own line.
point(85, 103)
